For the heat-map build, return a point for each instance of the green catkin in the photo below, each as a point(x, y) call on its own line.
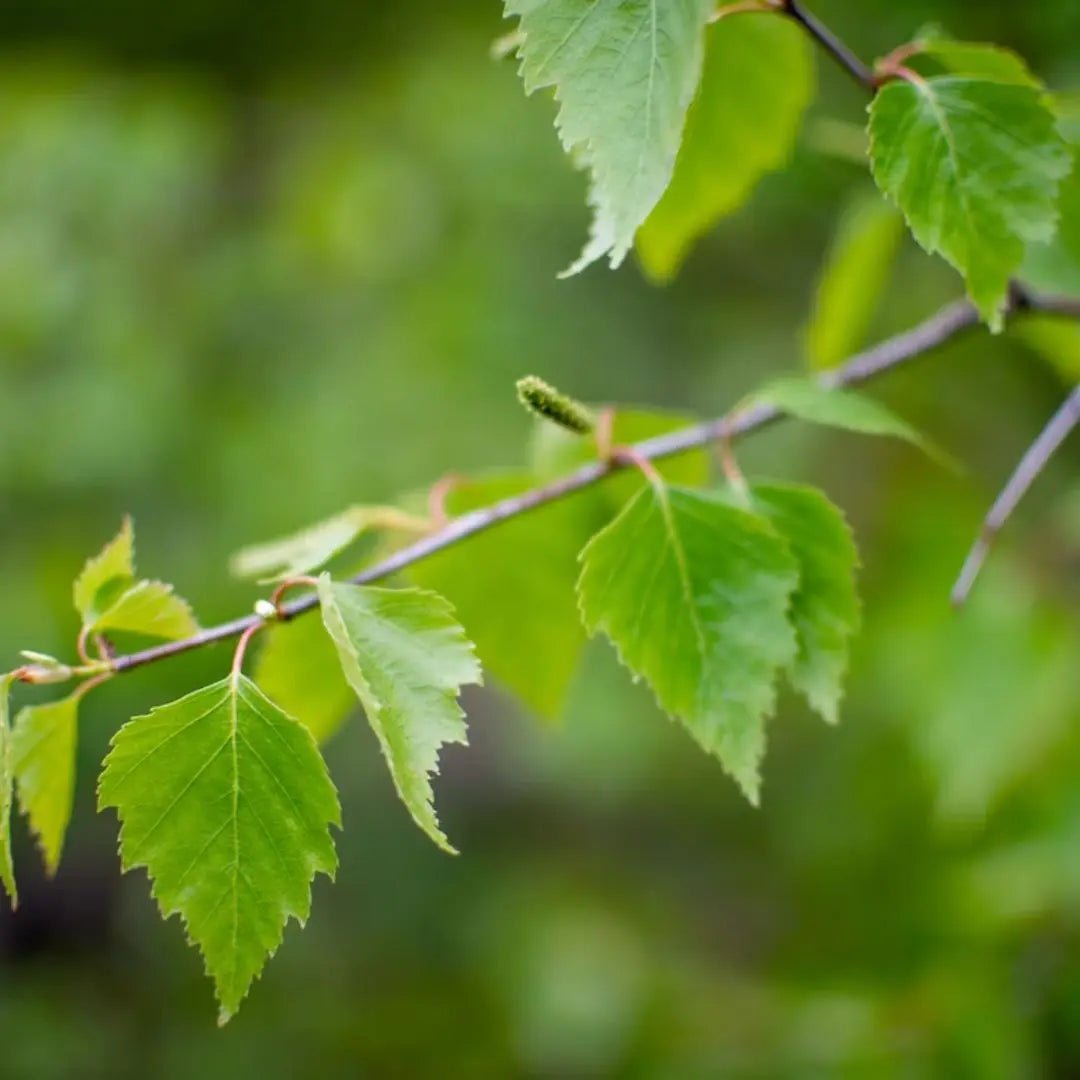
point(543, 400)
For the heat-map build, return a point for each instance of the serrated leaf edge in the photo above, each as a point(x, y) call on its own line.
point(750, 786)
point(224, 1015)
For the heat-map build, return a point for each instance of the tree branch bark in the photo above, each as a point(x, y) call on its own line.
point(1031, 465)
point(952, 321)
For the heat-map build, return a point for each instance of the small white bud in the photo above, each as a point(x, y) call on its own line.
point(265, 610)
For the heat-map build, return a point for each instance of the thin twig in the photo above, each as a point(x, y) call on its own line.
point(840, 52)
point(1027, 472)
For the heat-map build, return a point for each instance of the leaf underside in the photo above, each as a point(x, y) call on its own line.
point(624, 74)
point(407, 659)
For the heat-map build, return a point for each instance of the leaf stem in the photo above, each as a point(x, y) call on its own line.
point(437, 496)
point(732, 473)
point(605, 432)
point(80, 645)
point(241, 647)
point(84, 688)
point(631, 455)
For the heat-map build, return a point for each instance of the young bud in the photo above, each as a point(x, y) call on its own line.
point(265, 610)
point(44, 673)
point(545, 401)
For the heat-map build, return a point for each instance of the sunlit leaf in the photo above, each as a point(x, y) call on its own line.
point(105, 574)
point(43, 759)
point(741, 126)
point(624, 75)
point(975, 166)
point(407, 659)
point(150, 608)
point(694, 594)
point(825, 606)
point(226, 801)
point(109, 596)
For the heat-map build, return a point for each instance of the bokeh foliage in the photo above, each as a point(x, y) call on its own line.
point(253, 270)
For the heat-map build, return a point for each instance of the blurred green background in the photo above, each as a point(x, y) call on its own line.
point(258, 262)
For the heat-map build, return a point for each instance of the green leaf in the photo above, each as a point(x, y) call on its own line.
point(513, 587)
point(105, 574)
point(853, 280)
point(975, 59)
point(297, 667)
point(741, 126)
point(624, 74)
point(975, 166)
point(7, 781)
point(694, 594)
point(847, 410)
point(108, 596)
point(226, 801)
point(407, 659)
point(314, 546)
point(1054, 267)
point(150, 608)
point(825, 606)
point(43, 759)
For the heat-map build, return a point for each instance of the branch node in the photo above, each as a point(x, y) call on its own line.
point(274, 608)
point(951, 321)
point(632, 457)
point(730, 467)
